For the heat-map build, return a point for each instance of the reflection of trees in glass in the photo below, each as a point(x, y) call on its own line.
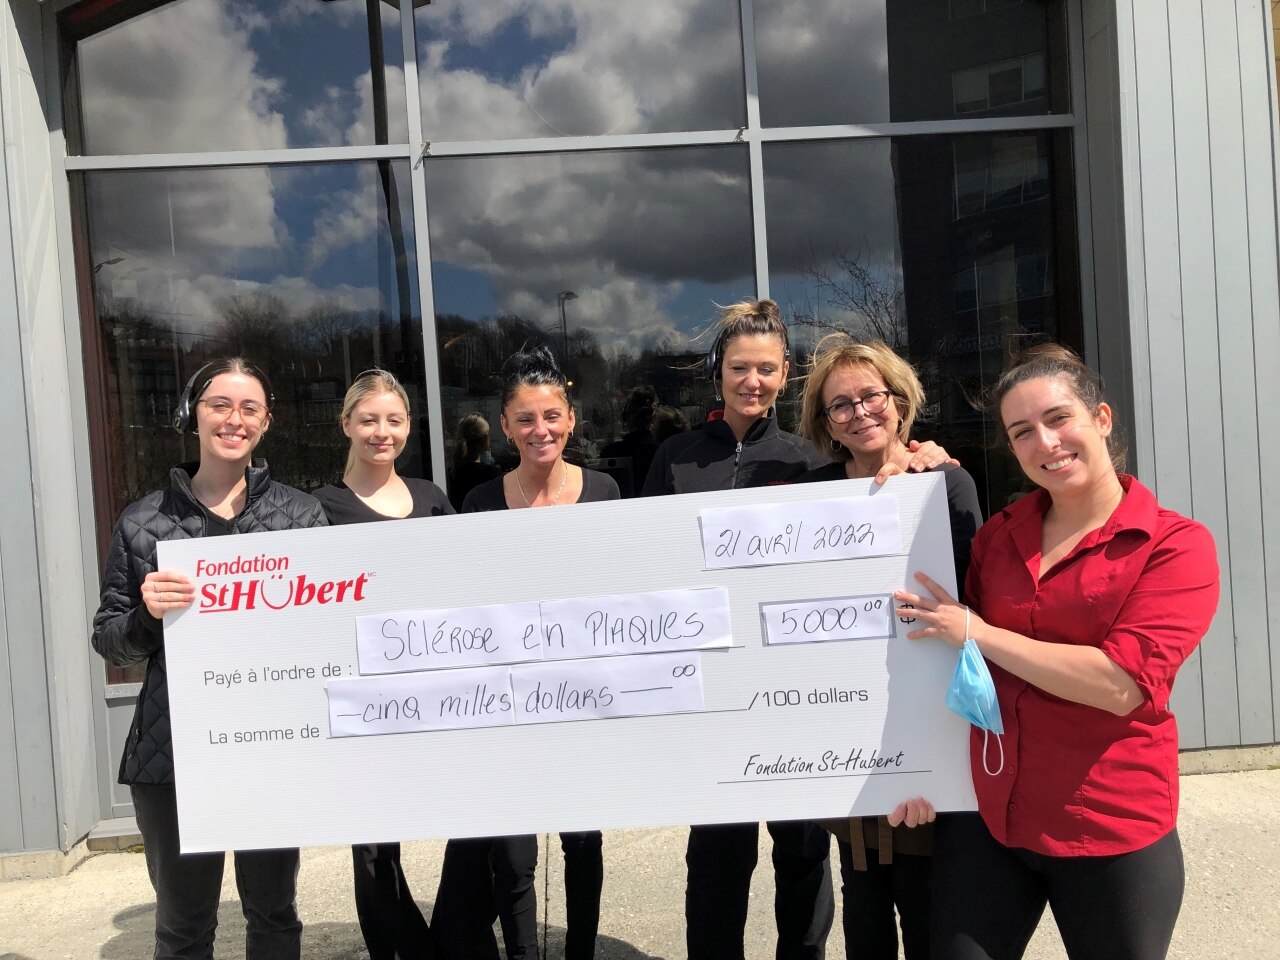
point(851, 298)
point(472, 353)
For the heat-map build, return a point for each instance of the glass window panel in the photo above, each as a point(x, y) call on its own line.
point(899, 239)
point(615, 260)
point(875, 61)
point(309, 271)
point(199, 75)
point(547, 68)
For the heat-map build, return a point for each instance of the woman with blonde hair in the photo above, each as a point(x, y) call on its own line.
point(749, 361)
point(376, 419)
point(860, 402)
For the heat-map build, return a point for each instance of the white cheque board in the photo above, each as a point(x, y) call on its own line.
point(642, 714)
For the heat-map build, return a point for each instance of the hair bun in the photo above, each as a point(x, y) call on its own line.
point(537, 364)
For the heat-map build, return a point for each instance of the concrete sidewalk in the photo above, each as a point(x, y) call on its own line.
point(1230, 826)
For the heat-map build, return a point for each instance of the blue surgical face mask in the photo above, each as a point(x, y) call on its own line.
point(972, 694)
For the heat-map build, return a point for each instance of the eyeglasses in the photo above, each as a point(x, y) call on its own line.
point(250, 410)
point(842, 411)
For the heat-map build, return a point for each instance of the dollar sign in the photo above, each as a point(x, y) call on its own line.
point(908, 619)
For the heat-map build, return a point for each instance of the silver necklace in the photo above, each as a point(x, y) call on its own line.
point(564, 475)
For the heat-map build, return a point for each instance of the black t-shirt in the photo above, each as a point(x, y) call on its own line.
point(341, 505)
point(467, 477)
point(596, 486)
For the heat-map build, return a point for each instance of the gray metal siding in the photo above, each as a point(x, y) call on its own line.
point(28, 816)
point(1197, 120)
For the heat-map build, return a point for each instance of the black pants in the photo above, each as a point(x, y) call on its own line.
point(390, 921)
point(490, 877)
point(721, 859)
point(188, 887)
point(869, 897)
point(988, 898)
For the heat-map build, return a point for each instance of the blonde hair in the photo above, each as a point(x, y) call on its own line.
point(839, 350)
point(746, 318)
point(371, 383)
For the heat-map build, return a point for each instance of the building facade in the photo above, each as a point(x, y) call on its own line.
point(331, 185)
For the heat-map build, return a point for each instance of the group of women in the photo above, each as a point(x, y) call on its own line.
point(1084, 597)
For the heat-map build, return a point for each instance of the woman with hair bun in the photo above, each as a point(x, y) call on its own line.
point(376, 419)
point(226, 492)
point(749, 361)
point(1085, 597)
point(494, 876)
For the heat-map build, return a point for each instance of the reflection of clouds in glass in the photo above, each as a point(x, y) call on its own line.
point(621, 68)
point(834, 237)
point(823, 61)
point(826, 197)
point(345, 114)
point(624, 230)
point(175, 247)
point(197, 75)
point(191, 219)
point(143, 93)
point(346, 12)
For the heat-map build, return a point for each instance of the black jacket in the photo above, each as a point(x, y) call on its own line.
point(712, 459)
point(124, 632)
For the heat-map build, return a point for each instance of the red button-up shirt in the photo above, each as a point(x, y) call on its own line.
point(1077, 780)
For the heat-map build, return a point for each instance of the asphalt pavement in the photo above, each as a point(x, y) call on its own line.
point(104, 909)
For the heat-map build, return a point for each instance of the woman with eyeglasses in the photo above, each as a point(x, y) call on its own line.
point(376, 419)
point(1085, 597)
point(487, 877)
point(749, 361)
point(226, 492)
point(860, 402)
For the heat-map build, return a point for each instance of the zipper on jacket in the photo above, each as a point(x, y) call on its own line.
point(737, 459)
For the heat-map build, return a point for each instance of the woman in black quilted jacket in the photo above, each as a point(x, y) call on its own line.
point(227, 404)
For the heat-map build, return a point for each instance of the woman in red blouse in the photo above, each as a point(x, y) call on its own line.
point(1086, 597)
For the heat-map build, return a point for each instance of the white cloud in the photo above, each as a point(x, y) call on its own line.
point(143, 90)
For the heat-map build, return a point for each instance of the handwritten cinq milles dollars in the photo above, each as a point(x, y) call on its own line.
point(549, 692)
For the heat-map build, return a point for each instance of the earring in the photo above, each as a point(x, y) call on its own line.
point(835, 445)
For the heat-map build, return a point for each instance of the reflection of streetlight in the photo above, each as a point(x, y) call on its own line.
point(562, 297)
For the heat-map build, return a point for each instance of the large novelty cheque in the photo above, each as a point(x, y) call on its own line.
point(709, 658)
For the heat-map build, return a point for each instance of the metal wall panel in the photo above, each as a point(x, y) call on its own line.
point(1164, 457)
point(1200, 426)
point(1258, 98)
point(11, 820)
point(1199, 168)
point(27, 797)
point(44, 559)
point(1238, 374)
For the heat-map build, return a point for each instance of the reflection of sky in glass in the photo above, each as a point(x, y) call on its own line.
point(649, 240)
point(831, 206)
point(547, 68)
point(198, 75)
point(178, 243)
point(869, 61)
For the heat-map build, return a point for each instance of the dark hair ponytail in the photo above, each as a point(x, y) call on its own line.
point(1053, 360)
point(531, 368)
